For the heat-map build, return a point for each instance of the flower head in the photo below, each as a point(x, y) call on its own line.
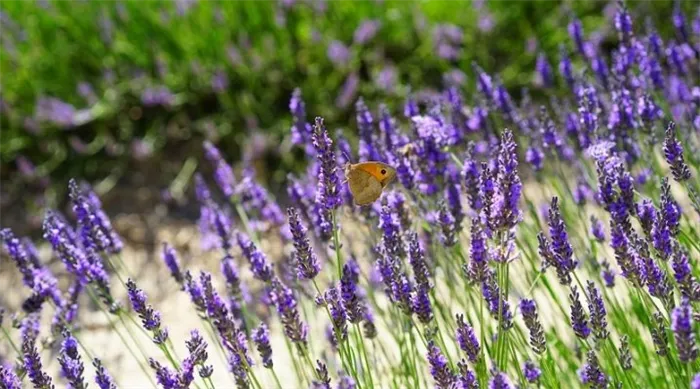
point(683, 333)
point(467, 339)
point(306, 262)
point(261, 337)
point(444, 377)
point(71, 364)
point(532, 322)
point(673, 150)
point(531, 372)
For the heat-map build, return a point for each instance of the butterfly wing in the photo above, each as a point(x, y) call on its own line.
point(364, 187)
point(379, 170)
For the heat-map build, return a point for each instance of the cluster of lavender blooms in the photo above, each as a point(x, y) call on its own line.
point(578, 282)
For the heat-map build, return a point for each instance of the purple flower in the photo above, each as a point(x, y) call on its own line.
point(497, 304)
point(150, 318)
point(695, 383)
point(294, 328)
point(416, 255)
point(687, 283)
point(348, 90)
point(544, 71)
point(30, 355)
point(565, 68)
point(597, 229)
point(261, 337)
point(259, 265)
point(561, 253)
point(444, 378)
point(197, 348)
point(471, 177)
point(576, 32)
point(505, 212)
point(223, 173)
point(18, 252)
point(607, 274)
point(306, 262)
point(500, 381)
point(219, 81)
point(466, 378)
point(102, 378)
point(535, 157)
point(623, 22)
point(327, 193)
point(167, 378)
point(531, 372)
point(346, 382)
point(8, 378)
point(233, 287)
point(591, 374)
point(479, 255)
point(155, 96)
point(682, 326)
point(324, 381)
point(673, 150)
point(467, 339)
point(366, 31)
point(71, 364)
point(301, 130)
point(96, 230)
point(596, 307)
point(171, 261)
point(448, 226)
point(421, 305)
point(55, 112)
point(349, 292)
point(338, 53)
point(579, 322)
point(255, 199)
point(532, 322)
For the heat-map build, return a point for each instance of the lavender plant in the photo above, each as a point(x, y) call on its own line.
point(580, 209)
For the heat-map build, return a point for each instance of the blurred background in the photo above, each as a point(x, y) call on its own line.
point(123, 93)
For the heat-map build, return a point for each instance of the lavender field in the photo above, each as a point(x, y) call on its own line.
point(548, 238)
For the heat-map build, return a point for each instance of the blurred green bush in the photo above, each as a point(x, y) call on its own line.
point(91, 87)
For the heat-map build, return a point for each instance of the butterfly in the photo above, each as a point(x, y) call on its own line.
point(366, 180)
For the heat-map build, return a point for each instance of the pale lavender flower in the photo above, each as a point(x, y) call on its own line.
point(683, 333)
point(366, 31)
point(102, 378)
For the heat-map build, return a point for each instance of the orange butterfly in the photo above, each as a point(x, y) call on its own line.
point(366, 180)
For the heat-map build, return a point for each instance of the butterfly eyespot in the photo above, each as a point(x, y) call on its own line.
point(383, 171)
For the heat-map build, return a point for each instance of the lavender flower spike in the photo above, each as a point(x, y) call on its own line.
point(170, 259)
point(71, 365)
point(8, 378)
point(531, 372)
point(349, 292)
point(596, 307)
point(328, 191)
point(308, 266)
point(223, 173)
point(261, 337)
point(30, 355)
point(579, 322)
point(444, 378)
point(505, 212)
point(592, 375)
point(682, 326)
point(150, 318)
point(259, 265)
point(467, 339)
point(673, 150)
point(561, 248)
point(532, 322)
point(500, 381)
point(102, 378)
